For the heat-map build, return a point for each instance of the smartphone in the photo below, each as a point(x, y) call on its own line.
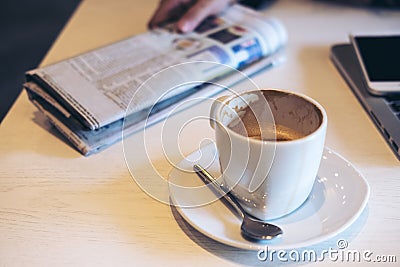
point(379, 57)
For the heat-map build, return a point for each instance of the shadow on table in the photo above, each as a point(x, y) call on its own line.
point(42, 121)
point(251, 258)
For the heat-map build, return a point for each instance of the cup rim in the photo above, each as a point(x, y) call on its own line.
point(322, 125)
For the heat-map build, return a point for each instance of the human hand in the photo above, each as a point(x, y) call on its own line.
point(188, 14)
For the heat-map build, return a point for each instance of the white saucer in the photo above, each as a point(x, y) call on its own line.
point(339, 195)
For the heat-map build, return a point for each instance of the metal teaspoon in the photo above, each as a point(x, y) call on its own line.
point(252, 228)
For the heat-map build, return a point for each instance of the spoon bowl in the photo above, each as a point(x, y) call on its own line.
point(252, 228)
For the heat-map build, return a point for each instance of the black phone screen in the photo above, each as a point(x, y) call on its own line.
point(381, 57)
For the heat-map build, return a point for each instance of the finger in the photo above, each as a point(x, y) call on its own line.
point(201, 10)
point(162, 13)
point(166, 11)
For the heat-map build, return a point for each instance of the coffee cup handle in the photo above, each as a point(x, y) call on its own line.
point(214, 107)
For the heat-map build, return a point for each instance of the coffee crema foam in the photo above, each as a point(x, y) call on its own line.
point(282, 133)
point(273, 133)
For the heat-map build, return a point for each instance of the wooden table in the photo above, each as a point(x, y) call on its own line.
point(59, 208)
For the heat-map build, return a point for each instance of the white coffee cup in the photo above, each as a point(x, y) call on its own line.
point(270, 178)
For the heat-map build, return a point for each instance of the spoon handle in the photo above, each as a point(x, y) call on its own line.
point(225, 193)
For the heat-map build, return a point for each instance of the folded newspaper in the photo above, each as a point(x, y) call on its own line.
point(90, 98)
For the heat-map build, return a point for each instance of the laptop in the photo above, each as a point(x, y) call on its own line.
point(384, 111)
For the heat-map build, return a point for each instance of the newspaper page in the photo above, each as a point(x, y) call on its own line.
point(97, 87)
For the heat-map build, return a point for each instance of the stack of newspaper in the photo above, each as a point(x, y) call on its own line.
point(136, 82)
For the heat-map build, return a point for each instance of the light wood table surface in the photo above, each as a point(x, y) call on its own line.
point(59, 208)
